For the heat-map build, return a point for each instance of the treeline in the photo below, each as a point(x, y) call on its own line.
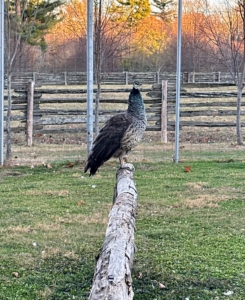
point(145, 41)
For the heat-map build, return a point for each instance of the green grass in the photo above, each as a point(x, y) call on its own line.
point(190, 230)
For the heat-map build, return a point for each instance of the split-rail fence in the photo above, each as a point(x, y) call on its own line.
point(56, 111)
point(119, 78)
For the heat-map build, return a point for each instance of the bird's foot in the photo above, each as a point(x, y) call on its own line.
point(123, 160)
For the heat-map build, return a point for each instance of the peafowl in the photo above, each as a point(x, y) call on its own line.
point(120, 133)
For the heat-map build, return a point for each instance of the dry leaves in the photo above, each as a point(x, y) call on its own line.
point(69, 165)
point(15, 274)
point(187, 169)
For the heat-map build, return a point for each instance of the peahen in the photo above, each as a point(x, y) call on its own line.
point(120, 133)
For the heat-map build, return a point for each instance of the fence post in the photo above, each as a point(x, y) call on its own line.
point(185, 77)
point(126, 79)
point(112, 277)
point(193, 77)
point(158, 77)
point(65, 77)
point(219, 77)
point(34, 76)
point(164, 113)
point(29, 114)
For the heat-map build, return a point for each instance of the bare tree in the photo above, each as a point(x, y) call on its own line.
point(114, 23)
point(224, 32)
point(26, 23)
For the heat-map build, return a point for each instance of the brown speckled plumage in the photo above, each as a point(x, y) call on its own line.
point(120, 133)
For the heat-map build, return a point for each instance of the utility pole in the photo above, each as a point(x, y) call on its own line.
point(1, 83)
point(90, 75)
point(178, 83)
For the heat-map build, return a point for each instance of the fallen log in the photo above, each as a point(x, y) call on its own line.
point(112, 277)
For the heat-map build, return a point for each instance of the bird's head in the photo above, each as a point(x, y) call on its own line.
point(136, 84)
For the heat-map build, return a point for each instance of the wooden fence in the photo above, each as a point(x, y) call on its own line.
point(58, 111)
point(80, 78)
point(118, 78)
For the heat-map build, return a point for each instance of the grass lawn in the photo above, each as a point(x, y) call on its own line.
point(190, 234)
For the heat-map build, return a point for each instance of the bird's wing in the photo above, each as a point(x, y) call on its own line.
point(108, 140)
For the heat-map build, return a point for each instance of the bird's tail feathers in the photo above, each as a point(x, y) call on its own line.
point(92, 166)
point(99, 155)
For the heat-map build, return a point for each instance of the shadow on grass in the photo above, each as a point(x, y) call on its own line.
point(57, 277)
point(173, 287)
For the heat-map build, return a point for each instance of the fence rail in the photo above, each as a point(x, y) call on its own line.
point(119, 78)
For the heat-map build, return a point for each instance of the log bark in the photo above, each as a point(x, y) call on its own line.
point(112, 278)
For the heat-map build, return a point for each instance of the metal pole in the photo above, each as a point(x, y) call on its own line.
point(2, 83)
point(178, 83)
point(90, 117)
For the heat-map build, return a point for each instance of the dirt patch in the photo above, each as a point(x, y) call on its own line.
point(204, 196)
point(80, 219)
point(53, 193)
point(205, 200)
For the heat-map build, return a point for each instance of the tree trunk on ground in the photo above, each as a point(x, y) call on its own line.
point(112, 278)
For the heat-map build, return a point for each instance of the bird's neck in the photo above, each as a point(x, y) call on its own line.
point(136, 104)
